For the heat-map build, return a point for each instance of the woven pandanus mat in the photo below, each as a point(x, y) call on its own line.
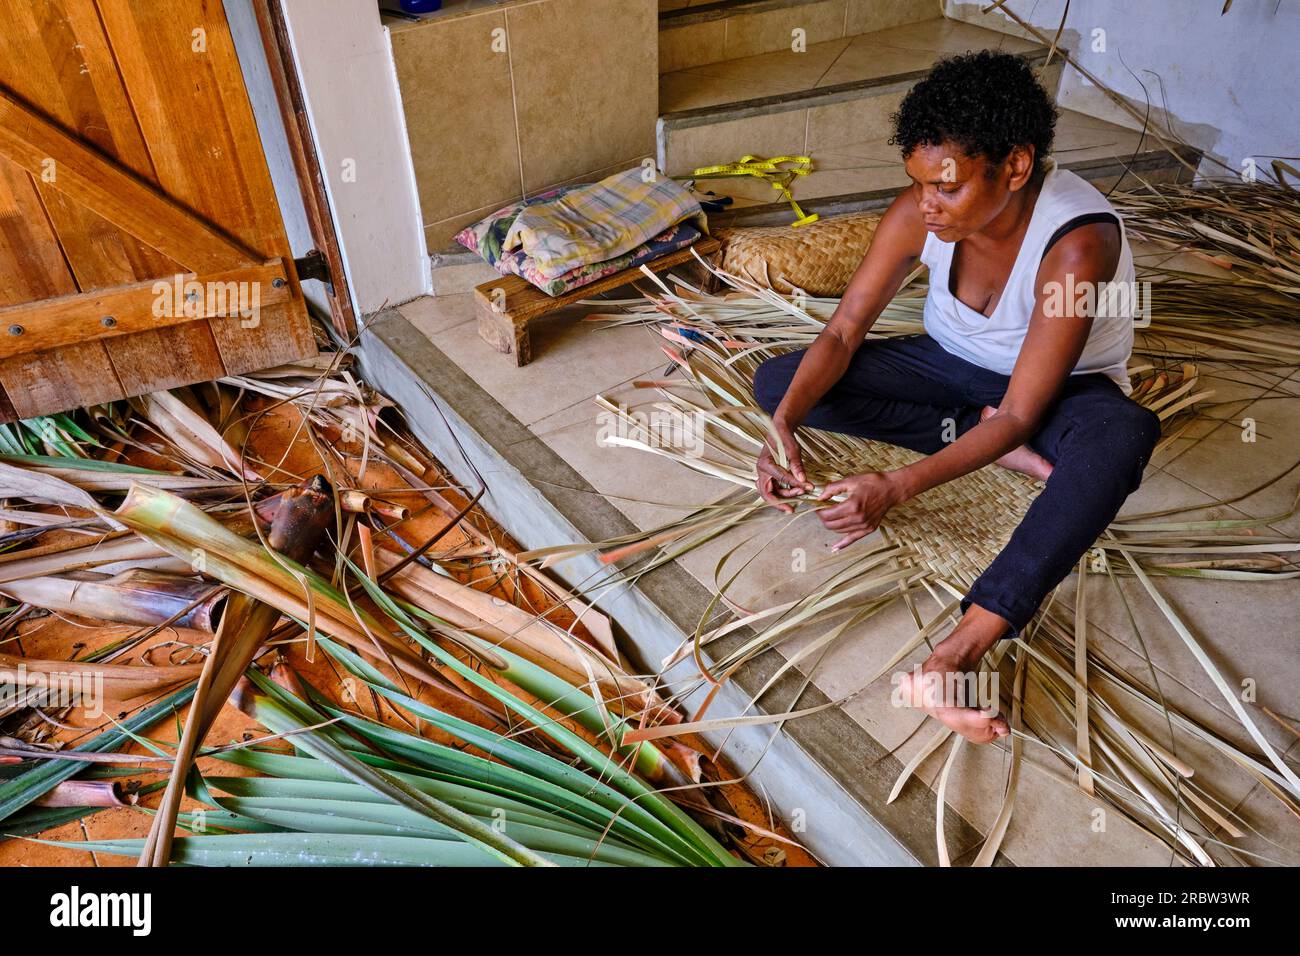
point(956, 529)
point(818, 258)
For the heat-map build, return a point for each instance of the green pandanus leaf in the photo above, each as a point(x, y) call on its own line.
point(281, 713)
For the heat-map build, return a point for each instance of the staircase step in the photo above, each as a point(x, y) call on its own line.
point(697, 33)
point(832, 98)
point(1106, 155)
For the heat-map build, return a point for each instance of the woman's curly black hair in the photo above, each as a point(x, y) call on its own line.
point(984, 102)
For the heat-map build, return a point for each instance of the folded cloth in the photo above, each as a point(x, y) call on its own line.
point(598, 222)
point(486, 237)
point(488, 234)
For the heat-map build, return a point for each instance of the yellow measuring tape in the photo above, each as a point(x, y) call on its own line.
point(770, 171)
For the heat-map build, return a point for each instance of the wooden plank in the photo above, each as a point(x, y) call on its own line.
point(213, 165)
point(60, 380)
point(32, 267)
point(31, 262)
point(56, 55)
point(91, 179)
point(55, 59)
point(122, 310)
point(508, 304)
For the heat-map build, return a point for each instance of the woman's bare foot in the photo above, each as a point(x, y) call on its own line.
point(1024, 459)
point(937, 688)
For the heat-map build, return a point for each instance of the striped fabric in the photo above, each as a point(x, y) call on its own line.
point(601, 221)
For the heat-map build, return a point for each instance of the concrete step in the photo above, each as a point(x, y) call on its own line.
point(697, 32)
point(866, 176)
point(828, 101)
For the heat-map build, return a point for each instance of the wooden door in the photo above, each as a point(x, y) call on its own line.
point(141, 246)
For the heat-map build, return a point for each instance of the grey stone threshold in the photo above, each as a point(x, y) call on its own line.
point(824, 774)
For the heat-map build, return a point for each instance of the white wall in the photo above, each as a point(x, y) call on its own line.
point(346, 67)
point(1229, 82)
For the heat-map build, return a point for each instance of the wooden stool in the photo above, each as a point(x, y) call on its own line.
point(507, 305)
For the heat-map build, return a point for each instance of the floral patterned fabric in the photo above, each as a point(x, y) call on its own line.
point(487, 238)
point(598, 221)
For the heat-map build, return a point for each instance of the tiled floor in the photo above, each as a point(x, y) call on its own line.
point(1248, 628)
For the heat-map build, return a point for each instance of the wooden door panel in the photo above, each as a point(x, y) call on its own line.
point(153, 47)
point(56, 55)
point(158, 172)
point(31, 262)
point(32, 267)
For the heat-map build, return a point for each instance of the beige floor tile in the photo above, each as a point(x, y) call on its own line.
point(835, 174)
point(1232, 392)
point(866, 60)
point(432, 314)
point(1271, 457)
point(865, 16)
point(1215, 773)
point(688, 90)
point(948, 36)
point(1246, 628)
point(751, 77)
point(570, 362)
point(773, 134)
point(647, 488)
point(1047, 779)
point(1271, 833)
point(683, 47)
point(1160, 490)
point(453, 280)
point(849, 666)
point(912, 47)
point(841, 126)
point(1054, 823)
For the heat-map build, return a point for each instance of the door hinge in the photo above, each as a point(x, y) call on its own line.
point(314, 265)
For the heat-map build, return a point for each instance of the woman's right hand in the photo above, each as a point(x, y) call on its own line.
point(776, 483)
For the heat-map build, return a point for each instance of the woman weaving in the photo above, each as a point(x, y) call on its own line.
point(1009, 370)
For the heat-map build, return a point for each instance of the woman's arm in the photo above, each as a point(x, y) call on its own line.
point(1052, 346)
point(899, 238)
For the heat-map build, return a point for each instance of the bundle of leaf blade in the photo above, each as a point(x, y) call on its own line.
point(1251, 229)
point(261, 575)
point(359, 793)
point(1066, 696)
point(1184, 315)
point(391, 633)
point(437, 805)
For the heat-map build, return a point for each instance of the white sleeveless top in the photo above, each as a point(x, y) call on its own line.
point(993, 342)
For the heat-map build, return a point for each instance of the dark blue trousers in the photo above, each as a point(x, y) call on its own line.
point(913, 393)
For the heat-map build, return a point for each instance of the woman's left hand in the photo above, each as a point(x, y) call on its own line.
point(868, 497)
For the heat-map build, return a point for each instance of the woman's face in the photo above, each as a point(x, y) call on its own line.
point(959, 195)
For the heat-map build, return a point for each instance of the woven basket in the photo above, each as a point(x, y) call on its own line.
point(818, 258)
